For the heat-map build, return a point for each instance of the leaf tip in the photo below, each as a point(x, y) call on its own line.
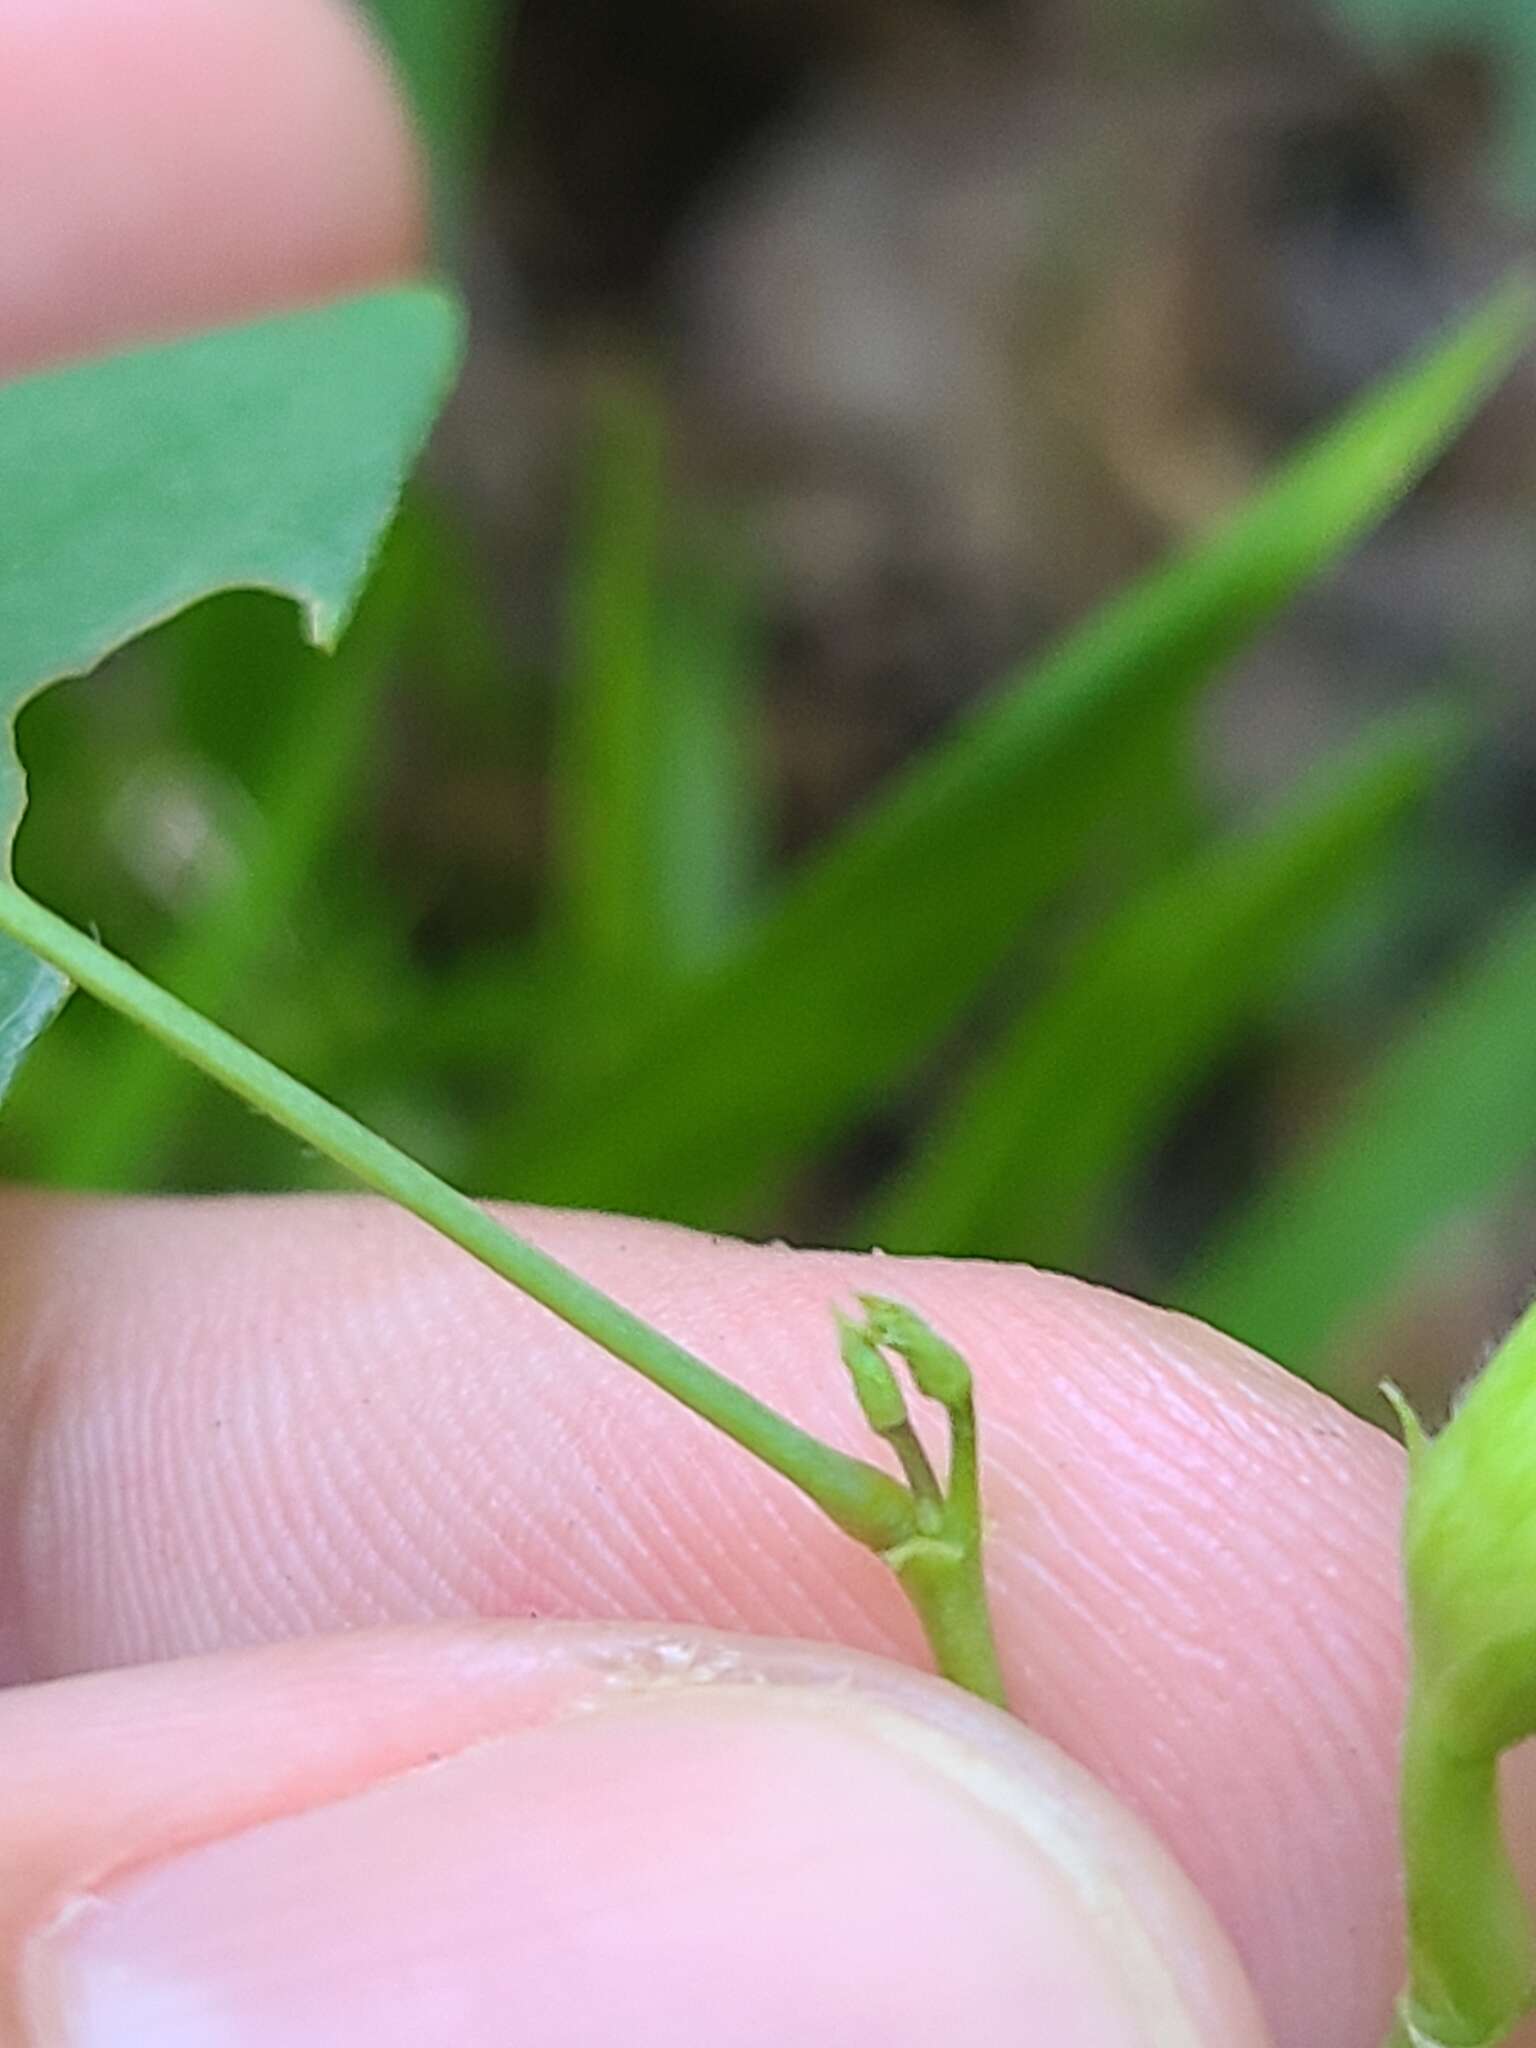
point(1413, 1430)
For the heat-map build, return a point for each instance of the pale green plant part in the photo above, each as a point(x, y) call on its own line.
point(941, 1564)
point(1470, 1564)
point(934, 1548)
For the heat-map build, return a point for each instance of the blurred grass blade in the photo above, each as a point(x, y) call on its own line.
point(610, 886)
point(881, 942)
point(1441, 1129)
point(652, 777)
point(712, 800)
point(1032, 1156)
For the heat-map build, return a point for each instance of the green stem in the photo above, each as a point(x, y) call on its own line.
point(862, 1500)
point(947, 1587)
point(952, 1601)
point(1471, 1964)
point(933, 1543)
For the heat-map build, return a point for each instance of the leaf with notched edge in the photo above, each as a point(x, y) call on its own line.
point(268, 456)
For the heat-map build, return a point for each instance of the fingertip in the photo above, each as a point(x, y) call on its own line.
point(1197, 1559)
point(1194, 1558)
point(166, 165)
point(670, 1834)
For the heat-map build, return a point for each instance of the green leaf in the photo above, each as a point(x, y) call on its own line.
point(1029, 1159)
point(878, 946)
point(1443, 1126)
point(268, 456)
point(30, 995)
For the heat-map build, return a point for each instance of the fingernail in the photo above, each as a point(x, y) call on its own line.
point(739, 1867)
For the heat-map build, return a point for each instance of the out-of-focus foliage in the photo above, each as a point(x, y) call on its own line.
point(878, 948)
point(1447, 1119)
point(1504, 29)
point(530, 928)
point(1085, 1077)
point(445, 51)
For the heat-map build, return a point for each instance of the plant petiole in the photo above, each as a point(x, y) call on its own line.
point(932, 1536)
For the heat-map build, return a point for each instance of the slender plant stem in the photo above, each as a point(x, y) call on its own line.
point(946, 1582)
point(863, 1501)
point(1472, 1969)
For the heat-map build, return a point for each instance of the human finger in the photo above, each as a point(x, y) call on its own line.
point(166, 165)
point(244, 1421)
point(587, 1837)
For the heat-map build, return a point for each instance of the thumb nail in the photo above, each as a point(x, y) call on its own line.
point(739, 1866)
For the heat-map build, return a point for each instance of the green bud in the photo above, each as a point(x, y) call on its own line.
point(937, 1368)
point(874, 1383)
point(1470, 1556)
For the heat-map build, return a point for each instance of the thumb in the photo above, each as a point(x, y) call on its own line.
point(572, 1836)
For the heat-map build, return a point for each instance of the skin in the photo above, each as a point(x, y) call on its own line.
point(385, 1665)
point(166, 164)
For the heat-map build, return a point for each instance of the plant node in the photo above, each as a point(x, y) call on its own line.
point(940, 1563)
